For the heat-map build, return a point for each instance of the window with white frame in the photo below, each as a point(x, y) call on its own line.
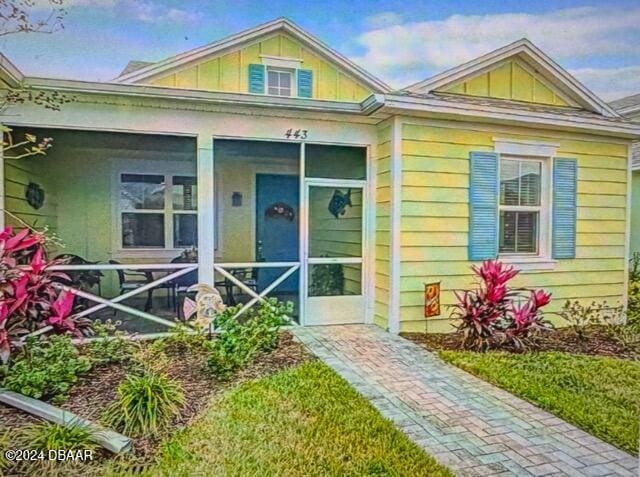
point(522, 206)
point(157, 211)
point(279, 82)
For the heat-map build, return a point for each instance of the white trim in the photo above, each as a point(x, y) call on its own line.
point(627, 232)
point(396, 212)
point(530, 264)
point(522, 147)
point(9, 73)
point(370, 257)
point(543, 255)
point(234, 41)
point(279, 62)
point(167, 169)
point(402, 104)
point(530, 54)
point(206, 208)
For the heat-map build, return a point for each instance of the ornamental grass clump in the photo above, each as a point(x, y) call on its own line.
point(145, 404)
point(494, 312)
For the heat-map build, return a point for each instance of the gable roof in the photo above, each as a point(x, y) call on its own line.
point(234, 41)
point(627, 105)
point(134, 65)
point(530, 54)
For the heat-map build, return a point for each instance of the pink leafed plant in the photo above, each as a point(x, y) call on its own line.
point(494, 309)
point(30, 295)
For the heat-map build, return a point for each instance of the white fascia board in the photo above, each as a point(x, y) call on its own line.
point(537, 58)
point(9, 73)
point(401, 104)
point(280, 24)
point(366, 107)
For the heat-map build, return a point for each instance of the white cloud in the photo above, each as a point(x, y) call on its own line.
point(384, 19)
point(411, 51)
point(610, 83)
point(146, 11)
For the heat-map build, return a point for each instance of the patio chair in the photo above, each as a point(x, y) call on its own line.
point(248, 276)
point(82, 279)
point(133, 279)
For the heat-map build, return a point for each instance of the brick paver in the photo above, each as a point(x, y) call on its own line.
point(472, 427)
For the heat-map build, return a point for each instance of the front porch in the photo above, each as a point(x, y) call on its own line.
point(134, 226)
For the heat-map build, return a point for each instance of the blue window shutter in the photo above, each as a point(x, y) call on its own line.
point(305, 83)
point(483, 208)
point(256, 78)
point(565, 175)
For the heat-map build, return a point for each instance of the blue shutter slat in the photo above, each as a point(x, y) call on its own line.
point(565, 175)
point(305, 83)
point(483, 197)
point(256, 78)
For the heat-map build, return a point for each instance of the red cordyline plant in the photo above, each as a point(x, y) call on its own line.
point(495, 310)
point(30, 296)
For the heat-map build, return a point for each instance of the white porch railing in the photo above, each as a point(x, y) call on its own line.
point(175, 270)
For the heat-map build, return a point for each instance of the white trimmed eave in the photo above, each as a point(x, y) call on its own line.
point(532, 55)
point(366, 107)
point(433, 107)
point(247, 36)
point(9, 73)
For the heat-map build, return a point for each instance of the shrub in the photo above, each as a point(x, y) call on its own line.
point(145, 404)
point(633, 316)
point(46, 369)
point(150, 359)
point(112, 346)
point(579, 317)
point(491, 308)
point(182, 340)
point(48, 435)
point(239, 342)
point(30, 298)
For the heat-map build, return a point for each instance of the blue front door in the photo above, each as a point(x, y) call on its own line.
point(277, 210)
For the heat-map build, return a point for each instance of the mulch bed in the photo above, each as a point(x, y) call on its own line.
point(596, 343)
point(97, 389)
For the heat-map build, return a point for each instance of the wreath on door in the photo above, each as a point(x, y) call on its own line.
point(280, 210)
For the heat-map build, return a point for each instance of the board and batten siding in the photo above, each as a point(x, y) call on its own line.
point(229, 72)
point(435, 217)
point(383, 222)
point(18, 173)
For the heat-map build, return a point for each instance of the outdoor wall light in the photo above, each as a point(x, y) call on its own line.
point(236, 199)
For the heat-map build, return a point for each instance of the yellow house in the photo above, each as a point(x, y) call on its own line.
point(268, 164)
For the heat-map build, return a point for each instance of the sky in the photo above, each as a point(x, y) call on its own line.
point(400, 41)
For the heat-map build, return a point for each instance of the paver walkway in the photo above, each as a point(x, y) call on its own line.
point(468, 425)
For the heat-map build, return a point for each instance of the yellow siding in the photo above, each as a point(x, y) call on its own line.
point(509, 80)
point(229, 72)
point(435, 218)
point(383, 234)
point(18, 174)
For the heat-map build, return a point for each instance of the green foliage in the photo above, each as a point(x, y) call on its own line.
point(182, 340)
point(327, 280)
point(5, 442)
point(299, 422)
point(46, 369)
point(145, 404)
point(239, 342)
point(596, 393)
point(579, 316)
point(112, 347)
point(633, 316)
point(49, 435)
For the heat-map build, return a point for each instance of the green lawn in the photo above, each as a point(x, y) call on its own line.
point(600, 395)
point(301, 422)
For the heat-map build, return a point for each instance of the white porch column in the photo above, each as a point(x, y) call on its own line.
point(396, 211)
point(206, 209)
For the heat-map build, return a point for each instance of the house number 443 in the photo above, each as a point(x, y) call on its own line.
point(296, 133)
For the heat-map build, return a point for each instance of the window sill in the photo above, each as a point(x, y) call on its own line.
point(530, 264)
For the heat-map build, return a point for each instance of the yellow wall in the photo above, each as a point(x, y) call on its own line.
point(509, 80)
point(435, 217)
point(229, 72)
point(18, 174)
point(382, 233)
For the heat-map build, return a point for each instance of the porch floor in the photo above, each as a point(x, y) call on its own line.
point(467, 424)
